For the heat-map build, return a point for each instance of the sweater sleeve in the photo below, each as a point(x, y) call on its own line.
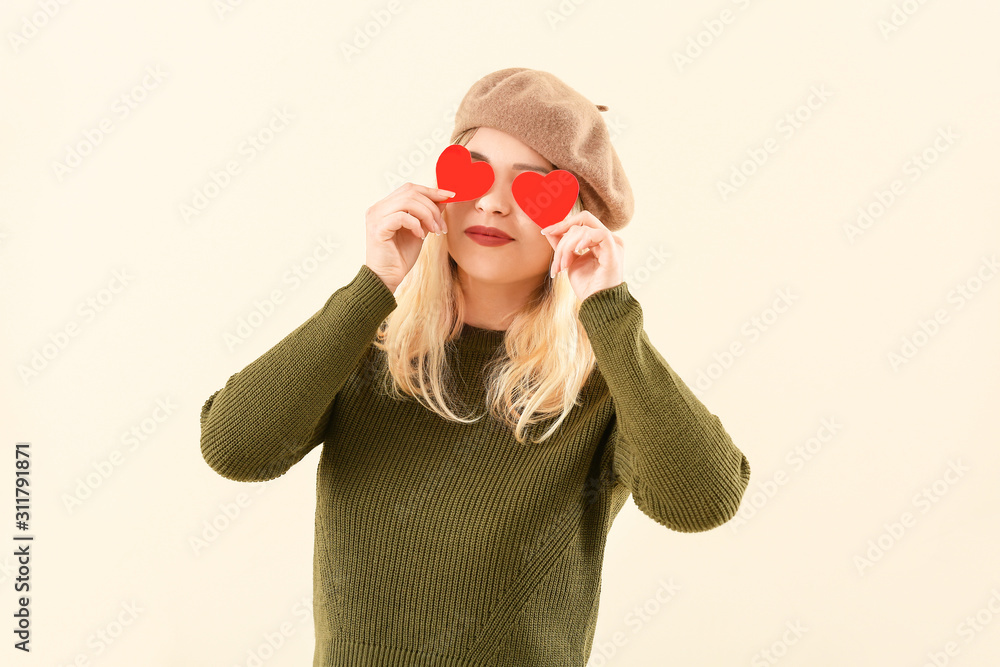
point(672, 453)
point(269, 415)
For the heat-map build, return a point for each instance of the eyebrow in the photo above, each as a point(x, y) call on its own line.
point(517, 165)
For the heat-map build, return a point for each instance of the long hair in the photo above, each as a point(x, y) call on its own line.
point(545, 361)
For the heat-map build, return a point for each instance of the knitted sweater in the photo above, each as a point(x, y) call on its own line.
point(448, 544)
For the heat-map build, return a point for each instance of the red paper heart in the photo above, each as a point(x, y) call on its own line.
point(546, 199)
point(458, 173)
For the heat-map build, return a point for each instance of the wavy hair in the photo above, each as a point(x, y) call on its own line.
point(529, 381)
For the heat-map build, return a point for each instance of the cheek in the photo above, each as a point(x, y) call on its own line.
point(452, 217)
point(536, 249)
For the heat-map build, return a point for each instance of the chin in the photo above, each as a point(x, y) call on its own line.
point(480, 269)
point(494, 272)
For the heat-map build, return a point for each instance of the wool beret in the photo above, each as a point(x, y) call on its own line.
point(560, 124)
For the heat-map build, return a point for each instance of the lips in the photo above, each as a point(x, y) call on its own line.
point(488, 231)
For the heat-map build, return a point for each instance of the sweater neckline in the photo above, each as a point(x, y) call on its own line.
point(479, 338)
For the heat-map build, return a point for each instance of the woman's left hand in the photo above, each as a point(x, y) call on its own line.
point(593, 256)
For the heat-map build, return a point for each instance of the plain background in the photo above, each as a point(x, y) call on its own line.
point(359, 120)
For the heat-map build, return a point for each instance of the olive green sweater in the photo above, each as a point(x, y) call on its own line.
point(448, 544)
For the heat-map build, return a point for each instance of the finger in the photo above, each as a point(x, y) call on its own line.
point(562, 230)
point(437, 207)
point(401, 219)
point(585, 218)
point(557, 253)
point(580, 247)
point(432, 209)
point(566, 241)
point(556, 229)
point(607, 248)
point(432, 198)
point(592, 243)
point(432, 192)
point(421, 208)
point(553, 239)
point(583, 245)
point(437, 194)
point(412, 223)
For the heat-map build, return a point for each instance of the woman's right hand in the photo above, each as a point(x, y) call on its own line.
point(396, 226)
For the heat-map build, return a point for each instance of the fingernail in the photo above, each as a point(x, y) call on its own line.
point(448, 193)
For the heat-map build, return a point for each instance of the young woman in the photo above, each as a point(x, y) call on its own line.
point(485, 408)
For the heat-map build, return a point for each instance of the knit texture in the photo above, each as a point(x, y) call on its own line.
point(446, 544)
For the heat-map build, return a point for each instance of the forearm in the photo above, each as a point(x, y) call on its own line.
point(673, 454)
point(273, 412)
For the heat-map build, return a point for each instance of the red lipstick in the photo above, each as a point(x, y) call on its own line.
point(488, 236)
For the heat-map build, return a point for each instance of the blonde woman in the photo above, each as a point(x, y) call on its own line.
point(485, 408)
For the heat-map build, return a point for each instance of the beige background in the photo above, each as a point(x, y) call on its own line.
point(790, 560)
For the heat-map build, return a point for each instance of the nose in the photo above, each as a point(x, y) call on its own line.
point(498, 199)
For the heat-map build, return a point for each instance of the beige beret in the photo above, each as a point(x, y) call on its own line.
point(560, 124)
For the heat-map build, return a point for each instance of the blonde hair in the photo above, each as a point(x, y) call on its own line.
point(533, 380)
